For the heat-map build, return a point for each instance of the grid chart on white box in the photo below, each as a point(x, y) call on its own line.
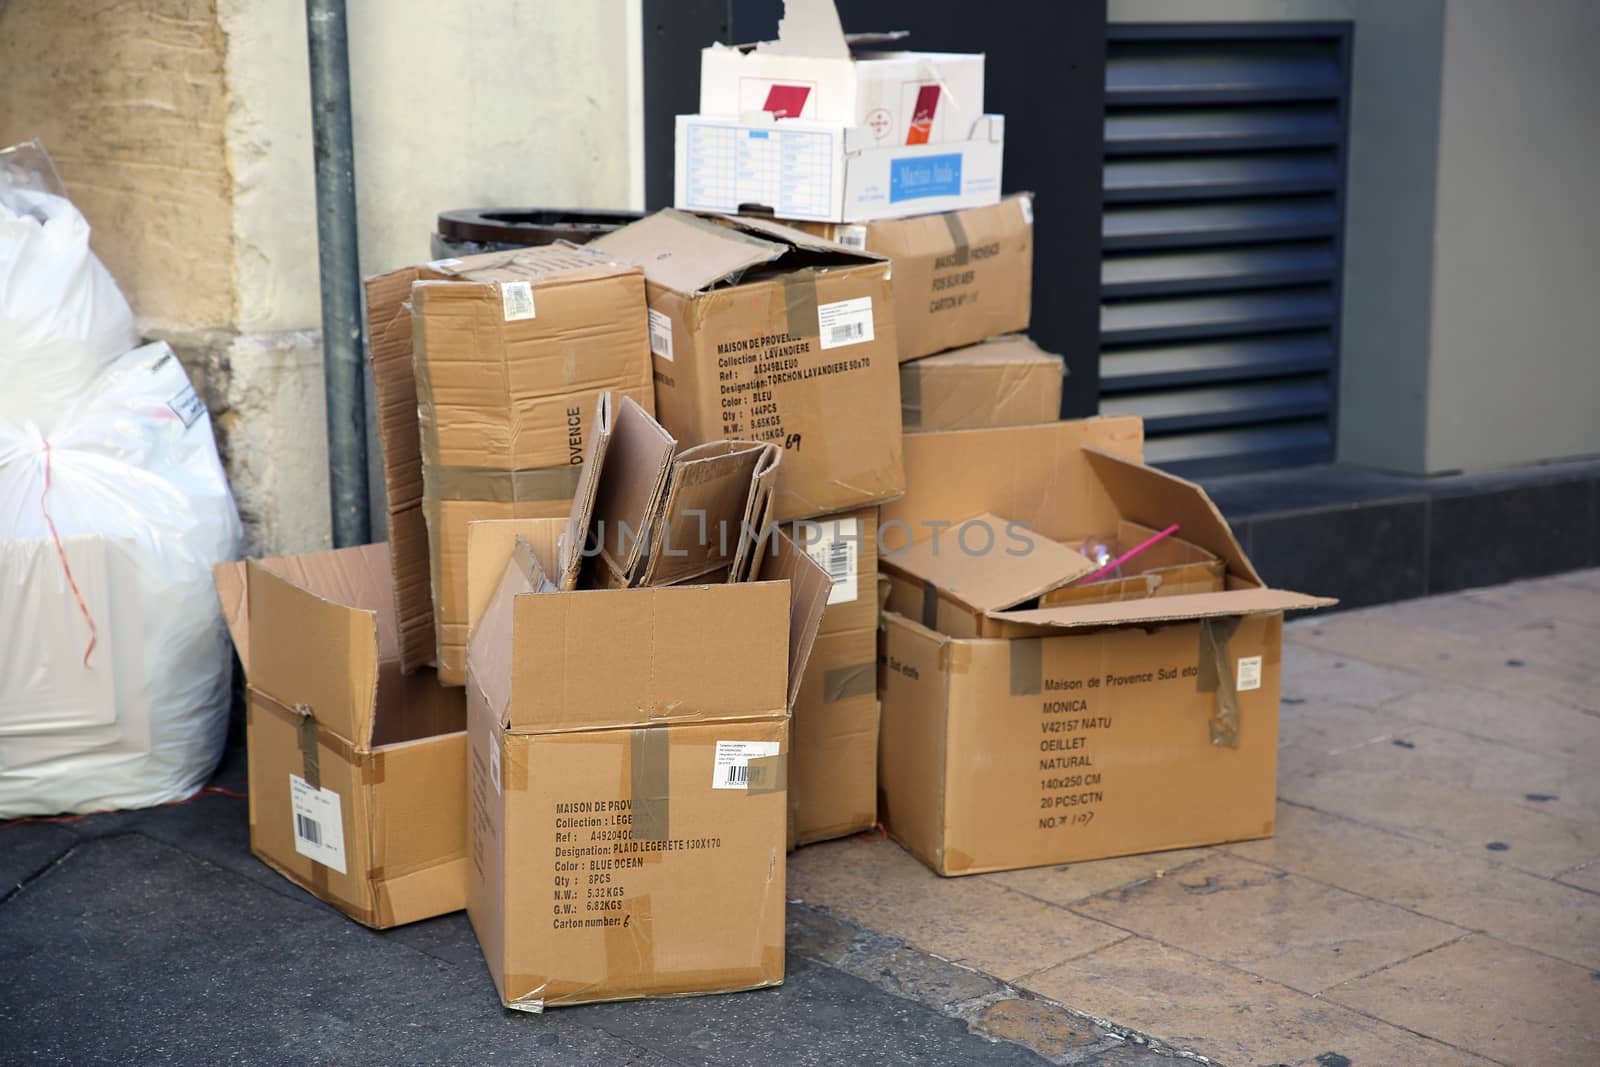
point(790, 171)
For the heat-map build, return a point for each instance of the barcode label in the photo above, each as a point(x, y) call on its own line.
point(660, 334)
point(835, 546)
point(516, 298)
point(845, 322)
point(1027, 208)
point(731, 767)
point(854, 237)
point(1249, 676)
point(318, 823)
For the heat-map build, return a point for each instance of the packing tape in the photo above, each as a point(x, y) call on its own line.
point(376, 767)
point(310, 762)
point(767, 774)
point(930, 605)
point(513, 770)
point(428, 433)
point(382, 906)
point(1027, 666)
point(648, 777)
point(910, 396)
point(855, 680)
point(1215, 677)
point(505, 486)
point(800, 303)
point(631, 945)
point(958, 234)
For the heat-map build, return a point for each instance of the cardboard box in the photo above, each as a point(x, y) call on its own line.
point(833, 762)
point(510, 351)
point(357, 772)
point(628, 761)
point(826, 172)
point(1091, 730)
point(812, 71)
point(762, 332)
point(960, 277)
point(1008, 381)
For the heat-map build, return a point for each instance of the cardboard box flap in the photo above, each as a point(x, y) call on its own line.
point(534, 264)
point(490, 543)
point(308, 650)
point(989, 563)
point(798, 239)
point(1037, 475)
point(686, 253)
point(233, 595)
point(1167, 609)
point(598, 658)
point(1157, 499)
point(632, 482)
point(491, 646)
point(780, 559)
point(708, 496)
point(575, 534)
point(1012, 348)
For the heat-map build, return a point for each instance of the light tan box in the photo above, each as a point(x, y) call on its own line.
point(959, 276)
point(1005, 381)
point(765, 333)
point(628, 756)
point(833, 758)
point(509, 352)
point(1089, 730)
point(357, 771)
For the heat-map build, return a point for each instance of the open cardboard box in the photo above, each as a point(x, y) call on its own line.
point(628, 763)
point(1080, 730)
point(357, 771)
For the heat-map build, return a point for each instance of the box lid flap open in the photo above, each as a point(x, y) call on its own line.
point(1166, 609)
point(1000, 566)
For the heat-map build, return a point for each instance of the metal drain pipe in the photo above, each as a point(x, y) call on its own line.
point(343, 327)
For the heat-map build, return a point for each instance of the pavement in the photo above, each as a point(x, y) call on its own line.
point(1431, 895)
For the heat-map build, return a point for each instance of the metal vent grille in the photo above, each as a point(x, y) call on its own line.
point(1224, 204)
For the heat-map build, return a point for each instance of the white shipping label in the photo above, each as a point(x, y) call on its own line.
point(187, 405)
point(845, 322)
point(1027, 209)
point(1249, 676)
point(731, 769)
point(660, 334)
point(318, 825)
point(854, 237)
point(494, 763)
point(517, 300)
point(836, 548)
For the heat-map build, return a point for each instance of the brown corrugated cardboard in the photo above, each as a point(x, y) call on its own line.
point(846, 546)
point(1006, 381)
point(509, 352)
point(1092, 729)
point(357, 771)
point(628, 765)
point(959, 276)
point(762, 332)
point(833, 758)
point(1170, 567)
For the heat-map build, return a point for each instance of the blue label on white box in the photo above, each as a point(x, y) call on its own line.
point(914, 177)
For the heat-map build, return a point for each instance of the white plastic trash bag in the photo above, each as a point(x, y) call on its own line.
point(115, 671)
point(62, 317)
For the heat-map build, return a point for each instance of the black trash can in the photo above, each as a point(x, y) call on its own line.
point(473, 230)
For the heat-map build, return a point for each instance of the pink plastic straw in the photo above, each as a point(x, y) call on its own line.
point(1126, 556)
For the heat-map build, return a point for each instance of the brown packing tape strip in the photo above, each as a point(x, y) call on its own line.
point(767, 774)
point(648, 780)
point(1027, 666)
point(506, 487)
point(910, 396)
point(1215, 677)
point(800, 303)
point(310, 763)
point(854, 680)
point(377, 768)
point(958, 234)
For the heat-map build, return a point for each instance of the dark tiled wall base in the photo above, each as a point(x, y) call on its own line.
point(1371, 538)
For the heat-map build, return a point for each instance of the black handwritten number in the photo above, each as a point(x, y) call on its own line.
point(627, 918)
point(793, 442)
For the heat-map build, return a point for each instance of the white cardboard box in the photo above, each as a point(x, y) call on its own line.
point(829, 172)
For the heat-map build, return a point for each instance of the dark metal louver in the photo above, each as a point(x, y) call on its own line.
point(1224, 197)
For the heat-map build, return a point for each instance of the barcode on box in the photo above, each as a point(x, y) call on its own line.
point(318, 823)
point(854, 237)
point(845, 322)
point(836, 547)
point(730, 767)
point(660, 334)
point(516, 299)
point(1249, 674)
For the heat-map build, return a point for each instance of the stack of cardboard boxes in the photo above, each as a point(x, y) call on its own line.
point(629, 637)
